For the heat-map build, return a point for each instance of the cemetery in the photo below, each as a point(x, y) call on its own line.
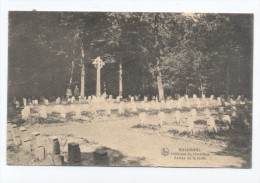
point(105, 112)
point(41, 127)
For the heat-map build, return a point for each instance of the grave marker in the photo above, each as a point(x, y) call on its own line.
point(211, 124)
point(142, 117)
point(178, 117)
point(121, 108)
point(193, 113)
point(98, 63)
point(74, 154)
point(161, 117)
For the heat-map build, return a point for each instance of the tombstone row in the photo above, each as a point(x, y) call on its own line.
point(34, 144)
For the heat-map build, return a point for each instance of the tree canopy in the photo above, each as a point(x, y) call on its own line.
point(182, 53)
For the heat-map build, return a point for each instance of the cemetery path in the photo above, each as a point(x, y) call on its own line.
point(152, 145)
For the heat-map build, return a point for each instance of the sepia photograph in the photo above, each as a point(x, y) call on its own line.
point(130, 89)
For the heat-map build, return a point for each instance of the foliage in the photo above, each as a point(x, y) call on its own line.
point(193, 53)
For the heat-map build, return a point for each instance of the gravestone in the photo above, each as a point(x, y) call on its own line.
point(108, 108)
point(190, 123)
point(68, 93)
point(161, 117)
point(58, 100)
point(238, 98)
point(62, 111)
point(37, 140)
point(178, 117)
point(142, 117)
point(56, 156)
point(26, 140)
point(207, 113)
point(179, 104)
point(73, 99)
point(226, 119)
point(110, 97)
point(9, 131)
point(211, 124)
point(232, 102)
point(43, 111)
point(234, 114)
point(121, 108)
point(145, 99)
point(133, 107)
point(221, 110)
point(132, 99)
point(46, 101)
point(245, 120)
point(198, 104)
point(17, 104)
point(206, 103)
point(203, 96)
point(157, 106)
point(146, 106)
point(193, 113)
point(35, 102)
point(101, 157)
point(24, 101)
point(156, 99)
point(211, 97)
point(219, 101)
point(74, 154)
point(188, 105)
point(226, 104)
point(25, 113)
point(168, 105)
point(77, 112)
point(153, 104)
point(234, 108)
point(16, 135)
point(55, 146)
point(142, 104)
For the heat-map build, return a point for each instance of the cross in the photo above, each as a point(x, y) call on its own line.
point(98, 63)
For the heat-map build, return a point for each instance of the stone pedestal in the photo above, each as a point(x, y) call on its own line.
point(74, 153)
point(39, 153)
point(101, 157)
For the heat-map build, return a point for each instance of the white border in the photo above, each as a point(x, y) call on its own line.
point(27, 174)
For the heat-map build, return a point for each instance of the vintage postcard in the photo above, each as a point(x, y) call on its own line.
point(130, 89)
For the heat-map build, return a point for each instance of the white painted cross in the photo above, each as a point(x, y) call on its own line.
point(98, 64)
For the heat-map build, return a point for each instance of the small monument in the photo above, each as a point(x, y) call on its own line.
point(98, 63)
point(178, 117)
point(142, 117)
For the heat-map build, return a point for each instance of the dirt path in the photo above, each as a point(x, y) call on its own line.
point(133, 142)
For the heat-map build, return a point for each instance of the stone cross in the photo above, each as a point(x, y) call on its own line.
point(98, 64)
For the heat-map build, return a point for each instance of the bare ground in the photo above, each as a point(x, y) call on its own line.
point(131, 143)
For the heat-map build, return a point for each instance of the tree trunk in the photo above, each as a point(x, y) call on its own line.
point(227, 82)
point(160, 85)
point(82, 79)
point(120, 79)
point(71, 73)
point(201, 88)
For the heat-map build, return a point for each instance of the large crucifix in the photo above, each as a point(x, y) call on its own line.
point(98, 64)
